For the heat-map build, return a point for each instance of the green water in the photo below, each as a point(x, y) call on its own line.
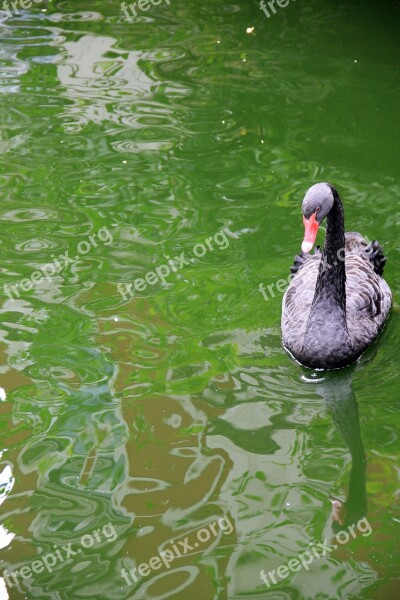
point(148, 420)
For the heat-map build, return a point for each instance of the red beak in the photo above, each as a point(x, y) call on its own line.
point(311, 226)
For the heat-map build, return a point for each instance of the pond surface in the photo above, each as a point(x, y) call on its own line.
point(148, 405)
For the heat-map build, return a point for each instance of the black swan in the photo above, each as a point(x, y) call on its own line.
point(337, 300)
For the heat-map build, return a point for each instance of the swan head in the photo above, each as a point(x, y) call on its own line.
point(317, 203)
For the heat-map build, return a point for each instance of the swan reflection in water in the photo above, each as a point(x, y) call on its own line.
point(259, 436)
point(336, 389)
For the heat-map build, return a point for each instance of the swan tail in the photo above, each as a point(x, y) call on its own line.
point(376, 256)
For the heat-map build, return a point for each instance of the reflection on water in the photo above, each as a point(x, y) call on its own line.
point(96, 76)
point(336, 389)
point(166, 412)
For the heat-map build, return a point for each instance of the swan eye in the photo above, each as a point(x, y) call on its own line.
point(317, 209)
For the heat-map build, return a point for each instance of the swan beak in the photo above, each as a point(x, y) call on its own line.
point(311, 226)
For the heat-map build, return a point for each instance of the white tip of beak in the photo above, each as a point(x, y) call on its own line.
point(306, 247)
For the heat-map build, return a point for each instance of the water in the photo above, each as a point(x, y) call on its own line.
point(130, 426)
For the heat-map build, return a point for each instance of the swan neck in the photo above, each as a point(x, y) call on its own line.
point(331, 282)
point(335, 239)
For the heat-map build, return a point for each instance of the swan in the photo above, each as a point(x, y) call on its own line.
point(337, 300)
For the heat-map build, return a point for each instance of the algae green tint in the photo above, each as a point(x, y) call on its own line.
point(159, 415)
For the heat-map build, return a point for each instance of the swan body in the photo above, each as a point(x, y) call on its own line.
point(337, 301)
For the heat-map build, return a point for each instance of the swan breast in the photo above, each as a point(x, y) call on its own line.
point(368, 298)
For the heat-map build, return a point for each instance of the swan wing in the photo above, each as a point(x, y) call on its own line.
point(368, 300)
point(297, 302)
